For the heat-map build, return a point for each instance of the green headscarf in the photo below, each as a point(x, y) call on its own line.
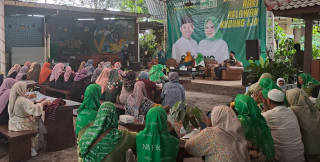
point(155, 72)
point(216, 24)
point(114, 76)
point(308, 79)
point(107, 118)
point(267, 85)
point(199, 58)
point(154, 142)
point(89, 107)
point(254, 125)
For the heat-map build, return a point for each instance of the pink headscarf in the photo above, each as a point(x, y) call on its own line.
point(5, 92)
point(81, 75)
point(56, 72)
point(15, 68)
point(28, 64)
point(68, 73)
point(103, 79)
point(138, 94)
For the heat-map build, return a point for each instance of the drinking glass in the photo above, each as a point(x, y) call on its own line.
point(141, 119)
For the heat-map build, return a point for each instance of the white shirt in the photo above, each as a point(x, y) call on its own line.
point(182, 46)
point(286, 135)
point(219, 49)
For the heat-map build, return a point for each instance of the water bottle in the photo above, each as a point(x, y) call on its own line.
point(136, 114)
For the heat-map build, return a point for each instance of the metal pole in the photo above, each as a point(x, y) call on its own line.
point(2, 39)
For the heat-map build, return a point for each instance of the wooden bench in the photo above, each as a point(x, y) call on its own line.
point(19, 143)
point(49, 92)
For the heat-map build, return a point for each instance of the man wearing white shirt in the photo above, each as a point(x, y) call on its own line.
point(284, 126)
point(185, 43)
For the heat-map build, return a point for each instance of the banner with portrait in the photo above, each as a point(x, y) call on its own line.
point(214, 28)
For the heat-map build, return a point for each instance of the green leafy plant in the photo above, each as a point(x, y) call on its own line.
point(148, 43)
point(186, 115)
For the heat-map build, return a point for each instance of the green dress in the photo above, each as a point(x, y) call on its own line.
point(114, 86)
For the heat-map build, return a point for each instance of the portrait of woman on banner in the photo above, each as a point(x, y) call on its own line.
point(213, 45)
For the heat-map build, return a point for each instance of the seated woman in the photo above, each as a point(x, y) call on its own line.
point(117, 66)
point(30, 70)
point(256, 130)
point(45, 73)
point(113, 86)
point(88, 110)
point(199, 61)
point(103, 141)
point(138, 100)
point(309, 84)
point(103, 80)
point(89, 66)
point(22, 75)
point(172, 91)
point(224, 141)
point(24, 113)
point(128, 86)
point(187, 60)
point(96, 74)
point(150, 86)
point(156, 75)
point(35, 73)
point(79, 86)
point(56, 78)
point(82, 64)
point(281, 84)
point(14, 71)
point(28, 64)
point(157, 135)
point(256, 86)
point(308, 118)
point(4, 99)
point(268, 85)
point(107, 65)
point(68, 78)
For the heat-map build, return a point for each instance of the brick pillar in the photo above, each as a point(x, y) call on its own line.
point(2, 39)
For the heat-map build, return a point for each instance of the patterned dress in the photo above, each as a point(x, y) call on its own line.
point(256, 154)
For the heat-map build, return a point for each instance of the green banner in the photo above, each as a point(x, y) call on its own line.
point(215, 27)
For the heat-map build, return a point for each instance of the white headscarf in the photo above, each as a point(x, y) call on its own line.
point(284, 87)
point(18, 89)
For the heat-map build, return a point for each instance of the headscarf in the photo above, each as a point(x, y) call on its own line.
point(308, 79)
point(255, 126)
point(23, 71)
point(228, 128)
point(89, 107)
point(35, 73)
point(117, 65)
point(199, 58)
point(83, 63)
point(107, 118)
point(267, 85)
point(89, 62)
point(81, 75)
point(28, 63)
point(113, 80)
point(68, 73)
point(156, 133)
point(143, 75)
point(18, 89)
point(96, 74)
point(284, 87)
point(15, 68)
point(56, 72)
point(30, 69)
point(138, 94)
point(256, 86)
point(74, 65)
point(129, 81)
point(173, 77)
point(5, 92)
point(45, 72)
point(216, 24)
point(100, 65)
point(107, 65)
point(103, 79)
point(156, 73)
point(188, 57)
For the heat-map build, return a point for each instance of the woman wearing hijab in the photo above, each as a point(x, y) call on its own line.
point(28, 64)
point(172, 91)
point(100, 65)
point(256, 86)
point(150, 86)
point(138, 100)
point(267, 85)
point(282, 84)
point(117, 66)
point(113, 86)
point(30, 70)
point(187, 60)
point(96, 74)
point(309, 84)
point(156, 74)
point(45, 73)
point(308, 118)
point(156, 134)
point(89, 66)
point(88, 110)
point(4, 99)
point(199, 61)
point(56, 78)
point(68, 78)
point(256, 130)
point(83, 63)
point(14, 71)
point(79, 86)
point(103, 79)
point(103, 141)
point(23, 113)
point(128, 86)
point(22, 75)
point(35, 73)
point(213, 45)
point(107, 65)
point(224, 141)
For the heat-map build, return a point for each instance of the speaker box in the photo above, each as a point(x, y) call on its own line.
point(247, 81)
point(253, 49)
point(136, 66)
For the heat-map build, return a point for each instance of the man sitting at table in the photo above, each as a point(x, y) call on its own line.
point(229, 62)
